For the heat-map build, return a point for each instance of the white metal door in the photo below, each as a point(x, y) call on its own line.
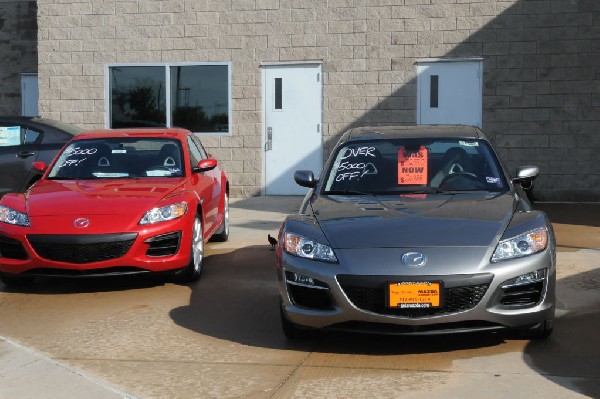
point(292, 125)
point(449, 92)
point(29, 94)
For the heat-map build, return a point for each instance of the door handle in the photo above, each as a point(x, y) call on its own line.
point(269, 143)
point(25, 154)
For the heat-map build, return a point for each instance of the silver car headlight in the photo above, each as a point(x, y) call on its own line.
point(164, 213)
point(307, 248)
point(528, 243)
point(10, 216)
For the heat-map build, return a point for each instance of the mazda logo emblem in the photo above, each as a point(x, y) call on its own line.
point(413, 259)
point(81, 223)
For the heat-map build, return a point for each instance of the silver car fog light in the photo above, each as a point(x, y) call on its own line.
point(304, 281)
point(527, 278)
point(525, 290)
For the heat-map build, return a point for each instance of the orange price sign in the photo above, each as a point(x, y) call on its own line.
point(412, 166)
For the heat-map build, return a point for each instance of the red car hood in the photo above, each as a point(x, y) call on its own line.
point(97, 197)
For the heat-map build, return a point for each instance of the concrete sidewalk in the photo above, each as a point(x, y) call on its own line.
point(25, 374)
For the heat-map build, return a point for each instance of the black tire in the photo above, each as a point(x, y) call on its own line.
point(193, 271)
point(222, 233)
point(291, 330)
point(16, 281)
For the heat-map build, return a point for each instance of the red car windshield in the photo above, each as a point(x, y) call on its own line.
point(112, 158)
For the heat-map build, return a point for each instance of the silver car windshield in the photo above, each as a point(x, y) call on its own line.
point(113, 158)
point(414, 165)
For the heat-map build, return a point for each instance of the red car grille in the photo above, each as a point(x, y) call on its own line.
point(11, 248)
point(82, 249)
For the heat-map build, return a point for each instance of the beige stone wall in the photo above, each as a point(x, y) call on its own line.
point(541, 95)
point(18, 51)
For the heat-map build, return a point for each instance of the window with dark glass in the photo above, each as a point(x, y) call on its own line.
point(434, 91)
point(137, 96)
point(191, 96)
point(278, 94)
point(199, 97)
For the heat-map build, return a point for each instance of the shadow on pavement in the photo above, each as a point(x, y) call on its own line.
point(237, 300)
point(279, 204)
point(582, 214)
point(572, 350)
point(59, 285)
point(577, 226)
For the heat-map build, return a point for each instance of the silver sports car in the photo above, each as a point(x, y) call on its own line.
point(416, 230)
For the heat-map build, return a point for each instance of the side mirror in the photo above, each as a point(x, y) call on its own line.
point(39, 166)
point(305, 178)
point(205, 165)
point(526, 174)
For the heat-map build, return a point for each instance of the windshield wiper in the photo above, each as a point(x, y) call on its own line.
point(405, 190)
point(346, 192)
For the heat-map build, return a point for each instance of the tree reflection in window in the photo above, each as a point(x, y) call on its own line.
point(199, 96)
point(137, 96)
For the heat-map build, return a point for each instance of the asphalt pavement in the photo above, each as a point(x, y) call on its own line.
point(28, 373)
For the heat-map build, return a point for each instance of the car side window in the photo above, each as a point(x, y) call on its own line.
point(10, 136)
point(195, 153)
point(196, 140)
point(13, 135)
point(31, 136)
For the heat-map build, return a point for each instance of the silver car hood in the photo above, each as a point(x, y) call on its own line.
point(468, 220)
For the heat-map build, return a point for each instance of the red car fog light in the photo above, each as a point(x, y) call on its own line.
point(163, 245)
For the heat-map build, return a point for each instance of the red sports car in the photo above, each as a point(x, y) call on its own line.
point(117, 202)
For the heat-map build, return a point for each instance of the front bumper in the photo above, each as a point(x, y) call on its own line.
point(477, 296)
point(152, 248)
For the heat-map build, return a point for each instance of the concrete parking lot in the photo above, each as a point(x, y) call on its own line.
point(220, 337)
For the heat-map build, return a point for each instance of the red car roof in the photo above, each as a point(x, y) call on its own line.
point(136, 132)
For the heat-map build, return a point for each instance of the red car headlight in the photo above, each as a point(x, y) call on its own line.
point(10, 216)
point(164, 213)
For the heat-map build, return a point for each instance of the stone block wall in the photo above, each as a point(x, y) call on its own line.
point(541, 75)
point(18, 50)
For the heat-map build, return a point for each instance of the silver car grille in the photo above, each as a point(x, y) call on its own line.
point(455, 299)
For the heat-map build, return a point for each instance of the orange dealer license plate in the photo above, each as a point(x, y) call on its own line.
point(414, 295)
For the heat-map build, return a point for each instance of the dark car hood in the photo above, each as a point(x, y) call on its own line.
point(414, 221)
point(97, 197)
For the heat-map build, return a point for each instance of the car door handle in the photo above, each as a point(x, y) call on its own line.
point(25, 154)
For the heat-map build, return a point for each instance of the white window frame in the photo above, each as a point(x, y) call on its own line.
point(167, 66)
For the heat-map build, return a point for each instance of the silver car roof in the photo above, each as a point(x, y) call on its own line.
point(413, 131)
